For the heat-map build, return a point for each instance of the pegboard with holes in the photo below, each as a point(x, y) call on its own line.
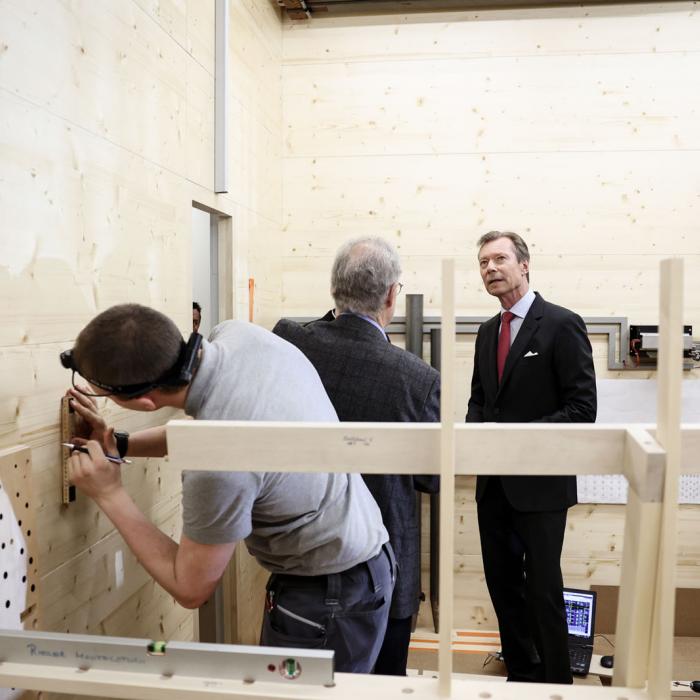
point(19, 571)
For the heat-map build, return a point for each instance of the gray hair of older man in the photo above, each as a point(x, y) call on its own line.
point(363, 272)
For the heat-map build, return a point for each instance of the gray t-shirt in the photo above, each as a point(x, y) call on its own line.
point(298, 523)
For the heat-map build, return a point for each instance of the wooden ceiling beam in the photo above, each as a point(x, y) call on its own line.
point(305, 9)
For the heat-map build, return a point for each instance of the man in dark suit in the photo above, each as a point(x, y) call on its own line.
point(369, 379)
point(533, 363)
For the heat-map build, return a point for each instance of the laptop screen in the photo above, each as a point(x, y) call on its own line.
point(580, 613)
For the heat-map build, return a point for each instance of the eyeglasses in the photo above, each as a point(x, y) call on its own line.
point(400, 287)
point(131, 391)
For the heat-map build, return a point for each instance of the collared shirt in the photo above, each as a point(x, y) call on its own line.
point(520, 309)
point(368, 319)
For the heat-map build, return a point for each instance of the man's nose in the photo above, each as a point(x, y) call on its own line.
point(491, 266)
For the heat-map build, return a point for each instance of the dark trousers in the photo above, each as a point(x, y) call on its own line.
point(346, 612)
point(393, 656)
point(521, 554)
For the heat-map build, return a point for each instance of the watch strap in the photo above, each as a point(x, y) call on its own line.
point(122, 438)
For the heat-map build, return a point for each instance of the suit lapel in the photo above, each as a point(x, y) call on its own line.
point(531, 323)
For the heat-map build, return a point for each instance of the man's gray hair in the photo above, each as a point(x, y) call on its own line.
point(363, 271)
point(521, 252)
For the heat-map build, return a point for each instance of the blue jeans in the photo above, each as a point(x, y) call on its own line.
point(346, 612)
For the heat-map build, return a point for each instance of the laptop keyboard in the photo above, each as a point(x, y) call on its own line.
point(580, 658)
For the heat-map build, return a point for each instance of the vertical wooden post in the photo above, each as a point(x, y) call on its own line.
point(668, 434)
point(644, 462)
point(447, 477)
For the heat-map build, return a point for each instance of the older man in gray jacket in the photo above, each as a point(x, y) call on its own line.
point(369, 379)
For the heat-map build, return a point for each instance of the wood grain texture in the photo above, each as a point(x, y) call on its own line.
point(106, 133)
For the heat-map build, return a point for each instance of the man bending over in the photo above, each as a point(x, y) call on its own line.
point(320, 535)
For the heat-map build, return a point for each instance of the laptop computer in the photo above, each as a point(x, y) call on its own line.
point(580, 619)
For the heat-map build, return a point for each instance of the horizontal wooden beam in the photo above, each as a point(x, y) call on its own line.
point(348, 686)
point(396, 448)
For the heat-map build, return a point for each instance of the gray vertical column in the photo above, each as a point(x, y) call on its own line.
point(414, 324)
point(435, 349)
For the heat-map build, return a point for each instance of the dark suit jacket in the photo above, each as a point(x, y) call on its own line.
point(554, 385)
point(368, 379)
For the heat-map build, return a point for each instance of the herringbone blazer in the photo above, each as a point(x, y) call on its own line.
point(369, 379)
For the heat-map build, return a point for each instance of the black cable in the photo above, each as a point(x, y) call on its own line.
point(606, 639)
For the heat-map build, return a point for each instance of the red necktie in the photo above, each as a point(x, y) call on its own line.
point(503, 342)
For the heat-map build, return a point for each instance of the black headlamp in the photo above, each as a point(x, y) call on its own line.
point(179, 374)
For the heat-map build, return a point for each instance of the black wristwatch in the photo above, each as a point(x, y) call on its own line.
point(122, 438)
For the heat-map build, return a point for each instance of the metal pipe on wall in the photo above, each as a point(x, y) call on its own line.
point(414, 324)
point(435, 349)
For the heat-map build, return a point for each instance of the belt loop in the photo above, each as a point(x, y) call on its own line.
point(333, 590)
point(373, 573)
point(392, 560)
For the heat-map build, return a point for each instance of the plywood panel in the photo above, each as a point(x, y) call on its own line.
point(592, 285)
point(247, 580)
point(498, 105)
point(200, 32)
point(81, 592)
point(105, 141)
point(256, 54)
point(562, 203)
point(658, 27)
point(170, 15)
point(75, 207)
point(154, 614)
point(70, 530)
point(200, 125)
point(104, 58)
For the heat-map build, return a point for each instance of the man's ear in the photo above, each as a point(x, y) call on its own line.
point(526, 266)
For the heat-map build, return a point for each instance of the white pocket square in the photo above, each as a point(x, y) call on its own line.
point(529, 353)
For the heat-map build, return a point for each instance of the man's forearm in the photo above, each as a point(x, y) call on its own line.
point(154, 549)
point(150, 442)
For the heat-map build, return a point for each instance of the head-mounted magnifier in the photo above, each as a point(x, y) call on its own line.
point(179, 374)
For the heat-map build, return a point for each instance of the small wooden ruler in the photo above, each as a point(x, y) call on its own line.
point(67, 433)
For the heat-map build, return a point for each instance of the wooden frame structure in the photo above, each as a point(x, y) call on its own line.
point(651, 462)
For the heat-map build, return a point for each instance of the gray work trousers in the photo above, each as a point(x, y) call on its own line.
point(346, 612)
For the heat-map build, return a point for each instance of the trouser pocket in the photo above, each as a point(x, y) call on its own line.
point(358, 635)
point(293, 619)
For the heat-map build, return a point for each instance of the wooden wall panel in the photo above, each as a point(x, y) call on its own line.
point(200, 30)
point(500, 105)
point(97, 60)
point(572, 126)
point(106, 139)
point(256, 152)
point(595, 285)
